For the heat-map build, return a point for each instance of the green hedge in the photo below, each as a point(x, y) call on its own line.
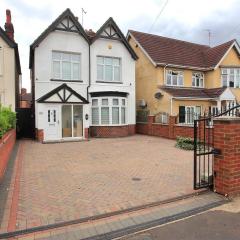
point(185, 143)
point(7, 120)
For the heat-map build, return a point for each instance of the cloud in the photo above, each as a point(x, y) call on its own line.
point(185, 19)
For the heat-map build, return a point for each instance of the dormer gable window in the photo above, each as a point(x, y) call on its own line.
point(230, 77)
point(174, 78)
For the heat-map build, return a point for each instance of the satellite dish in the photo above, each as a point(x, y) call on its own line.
point(158, 95)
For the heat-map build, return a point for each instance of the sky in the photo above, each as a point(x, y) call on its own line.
point(187, 20)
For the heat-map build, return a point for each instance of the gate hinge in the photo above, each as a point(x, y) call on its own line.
point(216, 151)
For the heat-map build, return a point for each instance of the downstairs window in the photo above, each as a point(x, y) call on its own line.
point(187, 114)
point(109, 111)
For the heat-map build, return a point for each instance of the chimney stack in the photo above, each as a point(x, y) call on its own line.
point(8, 25)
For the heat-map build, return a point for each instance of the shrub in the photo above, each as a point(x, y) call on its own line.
point(185, 143)
point(7, 120)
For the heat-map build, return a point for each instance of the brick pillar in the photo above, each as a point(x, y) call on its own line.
point(39, 134)
point(151, 120)
point(227, 164)
point(86, 133)
point(172, 122)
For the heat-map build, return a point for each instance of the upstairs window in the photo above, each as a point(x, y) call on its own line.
point(198, 80)
point(174, 78)
point(66, 66)
point(108, 69)
point(230, 77)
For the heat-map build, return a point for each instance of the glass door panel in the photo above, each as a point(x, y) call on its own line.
point(77, 121)
point(66, 121)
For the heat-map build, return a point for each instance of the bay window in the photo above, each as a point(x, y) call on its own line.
point(198, 80)
point(174, 78)
point(108, 111)
point(230, 77)
point(108, 69)
point(66, 66)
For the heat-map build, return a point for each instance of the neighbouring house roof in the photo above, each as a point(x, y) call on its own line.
point(163, 51)
point(89, 35)
point(13, 45)
point(193, 92)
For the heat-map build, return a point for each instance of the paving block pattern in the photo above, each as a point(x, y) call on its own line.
point(66, 181)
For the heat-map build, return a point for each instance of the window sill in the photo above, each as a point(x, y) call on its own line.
point(168, 85)
point(61, 80)
point(99, 81)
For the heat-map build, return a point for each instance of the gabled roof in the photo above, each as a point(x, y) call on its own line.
point(193, 92)
point(14, 45)
point(62, 94)
point(67, 14)
point(90, 36)
point(115, 34)
point(54, 26)
point(163, 51)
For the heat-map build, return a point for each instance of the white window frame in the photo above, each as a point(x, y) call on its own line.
point(194, 114)
point(104, 78)
point(194, 79)
point(110, 106)
point(71, 64)
point(236, 76)
point(179, 73)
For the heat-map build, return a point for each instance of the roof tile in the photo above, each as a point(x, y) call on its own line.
point(163, 50)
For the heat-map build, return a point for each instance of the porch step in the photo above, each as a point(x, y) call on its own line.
point(126, 223)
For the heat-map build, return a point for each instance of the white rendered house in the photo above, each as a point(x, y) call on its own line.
point(82, 82)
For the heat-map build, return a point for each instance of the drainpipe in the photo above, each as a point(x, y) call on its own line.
point(89, 67)
point(171, 107)
point(164, 74)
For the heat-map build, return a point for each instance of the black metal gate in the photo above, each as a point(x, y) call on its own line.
point(25, 123)
point(204, 147)
point(203, 153)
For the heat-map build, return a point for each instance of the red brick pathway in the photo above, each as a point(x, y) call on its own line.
point(65, 181)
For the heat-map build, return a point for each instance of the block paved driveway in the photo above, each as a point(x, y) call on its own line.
point(65, 181)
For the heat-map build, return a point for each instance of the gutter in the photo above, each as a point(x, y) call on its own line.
point(184, 67)
point(203, 99)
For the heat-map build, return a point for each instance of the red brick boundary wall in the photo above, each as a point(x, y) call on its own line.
point(6, 146)
point(39, 134)
point(227, 164)
point(112, 131)
point(170, 130)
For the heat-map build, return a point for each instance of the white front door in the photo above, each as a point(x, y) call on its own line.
point(52, 126)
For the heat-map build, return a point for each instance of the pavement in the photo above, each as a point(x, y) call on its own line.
point(55, 183)
point(219, 223)
point(119, 225)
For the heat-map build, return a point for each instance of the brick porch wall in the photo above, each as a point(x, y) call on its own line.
point(112, 131)
point(6, 146)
